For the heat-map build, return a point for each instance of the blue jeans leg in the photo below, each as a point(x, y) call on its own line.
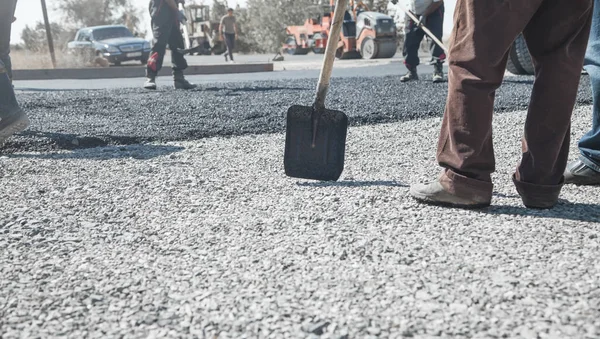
point(589, 144)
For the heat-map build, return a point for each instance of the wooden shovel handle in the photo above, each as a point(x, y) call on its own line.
point(421, 26)
point(329, 57)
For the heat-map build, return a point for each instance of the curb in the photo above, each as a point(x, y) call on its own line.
point(133, 72)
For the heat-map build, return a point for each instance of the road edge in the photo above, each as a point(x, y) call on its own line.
point(133, 72)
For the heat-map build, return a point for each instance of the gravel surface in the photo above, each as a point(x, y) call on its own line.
point(75, 119)
point(208, 237)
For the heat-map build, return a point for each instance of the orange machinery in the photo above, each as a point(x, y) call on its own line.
point(364, 34)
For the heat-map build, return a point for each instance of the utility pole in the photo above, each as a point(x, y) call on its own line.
point(48, 33)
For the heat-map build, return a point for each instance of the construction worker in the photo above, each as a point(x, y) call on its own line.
point(166, 18)
point(229, 32)
point(557, 34)
point(586, 170)
point(12, 117)
point(431, 15)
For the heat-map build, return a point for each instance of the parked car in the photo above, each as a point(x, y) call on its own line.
point(115, 43)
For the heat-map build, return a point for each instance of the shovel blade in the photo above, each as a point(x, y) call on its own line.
point(324, 161)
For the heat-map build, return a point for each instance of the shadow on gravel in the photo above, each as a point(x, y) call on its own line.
point(26, 89)
point(140, 152)
point(253, 89)
point(565, 210)
point(352, 183)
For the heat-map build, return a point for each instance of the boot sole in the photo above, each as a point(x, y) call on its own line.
point(19, 125)
point(430, 201)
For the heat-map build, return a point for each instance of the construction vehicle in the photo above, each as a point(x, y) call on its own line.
point(365, 34)
point(203, 31)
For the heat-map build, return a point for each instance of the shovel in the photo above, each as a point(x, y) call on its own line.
point(315, 141)
point(186, 38)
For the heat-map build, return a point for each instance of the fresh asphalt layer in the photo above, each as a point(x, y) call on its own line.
point(67, 119)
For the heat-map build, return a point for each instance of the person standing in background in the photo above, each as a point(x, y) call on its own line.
point(229, 32)
point(166, 18)
point(12, 117)
point(431, 15)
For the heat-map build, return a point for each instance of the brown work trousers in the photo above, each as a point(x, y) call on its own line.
point(557, 33)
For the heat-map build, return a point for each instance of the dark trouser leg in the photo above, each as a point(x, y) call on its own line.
point(176, 41)
point(435, 23)
point(477, 61)
point(8, 102)
point(589, 145)
point(412, 41)
point(7, 11)
point(161, 33)
point(478, 55)
point(230, 42)
point(557, 37)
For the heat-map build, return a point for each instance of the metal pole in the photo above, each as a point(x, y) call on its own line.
point(48, 33)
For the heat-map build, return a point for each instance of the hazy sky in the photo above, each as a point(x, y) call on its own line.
point(30, 11)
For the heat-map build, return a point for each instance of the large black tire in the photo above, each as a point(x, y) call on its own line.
point(386, 49)
point(519, 59)
point(368, 50)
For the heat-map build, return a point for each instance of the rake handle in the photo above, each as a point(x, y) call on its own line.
point(425, 29)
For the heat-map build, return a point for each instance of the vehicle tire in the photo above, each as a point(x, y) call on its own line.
point(318, 50)
point(519, 59)
point(368, 49)
point(386, 49)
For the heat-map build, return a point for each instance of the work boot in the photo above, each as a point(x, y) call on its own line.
point(150, 83)
point(181, 83)
point(434, 193)
point(411, 75)
point(578, 173)
point(15, 123)
point(438, 72)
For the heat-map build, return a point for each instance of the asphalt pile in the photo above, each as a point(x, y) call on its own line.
point(89, 118)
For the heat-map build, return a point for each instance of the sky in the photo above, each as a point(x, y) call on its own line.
point(30, 11)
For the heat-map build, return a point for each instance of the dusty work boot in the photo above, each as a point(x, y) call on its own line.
point(181, 83)
point(438, 72)
point(150, 83)
point(578, 173)
point(434, 193)
point(15, 123)
point(411, 75)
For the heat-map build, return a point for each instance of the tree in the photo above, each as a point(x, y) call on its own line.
point(85, 13)
point(218, 9)
point(266, 21)
point(34, 38)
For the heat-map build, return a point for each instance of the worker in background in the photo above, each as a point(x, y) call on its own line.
point(586, 170)
point(229, 32)
point(556, 32)
point(431, 15)
point(12, 117)
point(165, 19)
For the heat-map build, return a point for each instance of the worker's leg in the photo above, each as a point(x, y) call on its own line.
point(435, 23)
point(230, 42)
point(12, 118)
point(412, 41)
point(176, 41)
point(557, 38)
point(478, 54)
point(586, 170)
point(161, 31)
point(7, 12)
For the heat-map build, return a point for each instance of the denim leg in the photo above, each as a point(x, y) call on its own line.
point(7, 10)
point(589, 144)
point(8, 102)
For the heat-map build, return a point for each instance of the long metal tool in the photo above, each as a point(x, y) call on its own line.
point(186, 34)
point(315, 141)
point(421, 26)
